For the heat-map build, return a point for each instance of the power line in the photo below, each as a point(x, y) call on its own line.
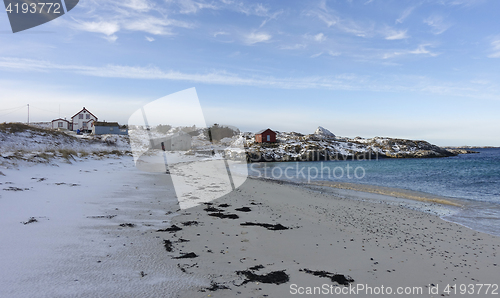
point(13, 108)
point(13, 111)
point(44, 110)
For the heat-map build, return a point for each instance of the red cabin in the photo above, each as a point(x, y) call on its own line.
point(265, 136)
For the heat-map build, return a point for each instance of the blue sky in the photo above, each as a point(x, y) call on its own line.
point(409, 69)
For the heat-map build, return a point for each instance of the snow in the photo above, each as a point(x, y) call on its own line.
point(73, 249)
point(321, 131)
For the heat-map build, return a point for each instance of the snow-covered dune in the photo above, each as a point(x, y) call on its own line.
point(20, 142)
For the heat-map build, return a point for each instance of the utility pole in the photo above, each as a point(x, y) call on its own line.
point(28, 114)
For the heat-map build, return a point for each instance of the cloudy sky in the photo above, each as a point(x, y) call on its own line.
point(414, 69)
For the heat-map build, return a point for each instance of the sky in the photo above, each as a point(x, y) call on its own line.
point(426, 70)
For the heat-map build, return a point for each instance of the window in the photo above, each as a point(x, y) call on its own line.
point(59, 124)
point(268, 138)
point(84, 124)
point(80, 116)
point(88, 116)
point(111, 129)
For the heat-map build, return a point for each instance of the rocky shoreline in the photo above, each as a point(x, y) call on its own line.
point(318, 147)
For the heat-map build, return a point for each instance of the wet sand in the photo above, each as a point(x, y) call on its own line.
point(274, 239)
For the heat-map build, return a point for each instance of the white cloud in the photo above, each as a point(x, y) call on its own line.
point(273, 16)
point(150, 39)
point(106, 28)
point(394, 35)
point(420, 50)
point(294, 47)
point(495, 48)
point(330, 53)
point(109, 17)
point(136, 5)
point(406, 13)
point(437, 23)
point(256, 37)
point(220, 33)
point(320, 37)
point(336, 82)
point(190, 6)
point(464, 3)
point(153, 25)
point(329, 17)
point(111, 38)
point(220, 77)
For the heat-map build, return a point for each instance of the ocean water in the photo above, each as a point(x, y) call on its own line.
point(472, 179)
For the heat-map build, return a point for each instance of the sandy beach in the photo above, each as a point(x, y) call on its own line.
point(105, 229)
point(375, 244)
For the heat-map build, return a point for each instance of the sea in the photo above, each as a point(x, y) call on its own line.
point(473, 180)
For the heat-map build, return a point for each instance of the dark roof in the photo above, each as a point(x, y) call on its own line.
point(262, 131)
point(61, 119)
point(106, 124)
point(84, 109)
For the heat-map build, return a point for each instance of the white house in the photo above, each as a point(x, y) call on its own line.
point(61, 124)
point(83, 120)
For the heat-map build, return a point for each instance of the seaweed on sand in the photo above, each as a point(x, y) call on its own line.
point(173, 228)
point(275, 277)
point(276, 227)
point(338, 278)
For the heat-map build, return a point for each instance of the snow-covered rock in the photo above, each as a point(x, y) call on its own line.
point(323, 132)
point(292, 146)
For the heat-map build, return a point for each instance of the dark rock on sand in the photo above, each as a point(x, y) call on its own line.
point(190, 223)
point(275, 277)
point(173, 228)
point(243, 209)
point(189, 255)
point(213, 209)
point(214, 287)
point(338, 278)
point(256, 268)
point(102, 216)
point(31, 220)
point(127, 225)
point(276, 227)
point(222, 215)
point(168, 245)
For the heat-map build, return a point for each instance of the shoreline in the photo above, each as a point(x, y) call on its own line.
point(374, 189)
point(454, 210)
point(392, 192)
